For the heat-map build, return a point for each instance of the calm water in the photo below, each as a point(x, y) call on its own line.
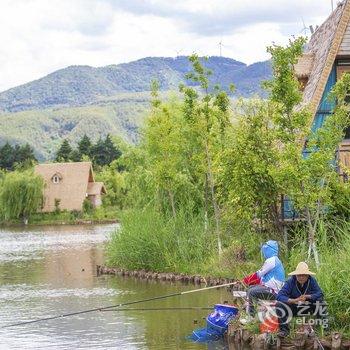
point(47, 271)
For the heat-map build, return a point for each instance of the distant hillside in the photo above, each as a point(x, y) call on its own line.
point(79, 85)
point(44, 129)
point(82, 99)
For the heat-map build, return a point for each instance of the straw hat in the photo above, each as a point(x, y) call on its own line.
point(302, 269)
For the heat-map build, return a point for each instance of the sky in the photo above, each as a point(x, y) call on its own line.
point(38, 37)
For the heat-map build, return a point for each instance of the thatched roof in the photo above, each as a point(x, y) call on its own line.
point(304, 66)
point(96, 188)
point(324, 46)
point(72, 188)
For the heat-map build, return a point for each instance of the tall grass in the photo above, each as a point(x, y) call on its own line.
point(334, 273)
point(149, 240)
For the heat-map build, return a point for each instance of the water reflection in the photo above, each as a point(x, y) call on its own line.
point(51, 270)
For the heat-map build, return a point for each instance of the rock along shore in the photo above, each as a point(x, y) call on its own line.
point(163, 276)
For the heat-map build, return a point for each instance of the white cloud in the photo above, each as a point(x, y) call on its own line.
point(39, 36)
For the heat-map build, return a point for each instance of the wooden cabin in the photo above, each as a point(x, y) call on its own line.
point(67, 185)
point(326, 57)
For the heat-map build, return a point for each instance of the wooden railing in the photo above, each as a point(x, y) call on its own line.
point(343, 160)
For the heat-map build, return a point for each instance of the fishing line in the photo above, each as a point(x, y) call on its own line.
point(161, 309)
point(115, 306)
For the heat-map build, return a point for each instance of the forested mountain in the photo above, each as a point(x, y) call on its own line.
point(83, 99)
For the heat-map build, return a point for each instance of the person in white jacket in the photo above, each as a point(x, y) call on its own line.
point(265, 283)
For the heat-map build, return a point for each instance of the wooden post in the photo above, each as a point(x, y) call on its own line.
point(300, 340)
point(336, 340)
point(285, 234)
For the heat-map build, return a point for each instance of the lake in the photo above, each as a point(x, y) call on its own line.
point(51, 270)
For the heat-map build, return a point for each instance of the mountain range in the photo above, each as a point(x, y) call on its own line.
point(78, 100)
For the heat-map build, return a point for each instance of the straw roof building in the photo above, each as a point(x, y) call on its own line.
point(326, 57)
point(67, 185)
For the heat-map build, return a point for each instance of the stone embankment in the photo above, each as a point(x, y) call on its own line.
point(239, 338)
point(163, 276)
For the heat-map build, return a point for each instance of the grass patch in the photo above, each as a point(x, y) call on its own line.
point(333, 275)
point(69, 217)
point(148, 240)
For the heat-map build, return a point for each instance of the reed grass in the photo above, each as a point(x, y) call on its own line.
point(149, 240)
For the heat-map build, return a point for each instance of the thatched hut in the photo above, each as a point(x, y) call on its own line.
point(67, 185)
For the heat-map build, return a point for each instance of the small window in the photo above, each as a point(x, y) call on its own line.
point(56, 178)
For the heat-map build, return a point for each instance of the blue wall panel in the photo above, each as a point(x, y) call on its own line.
point(325, 108)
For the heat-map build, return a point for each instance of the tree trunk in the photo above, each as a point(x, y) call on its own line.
point(206, 224)
point(275, 217)
point(312, 240)
point(215, 204)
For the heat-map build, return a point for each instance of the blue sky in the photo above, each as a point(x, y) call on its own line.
point(40, 36)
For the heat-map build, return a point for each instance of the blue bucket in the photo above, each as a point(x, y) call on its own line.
point(217, 323)
point(220, 318)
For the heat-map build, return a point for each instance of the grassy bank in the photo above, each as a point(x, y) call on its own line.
point(148, 240)
point(333, 275)
point(64, 217)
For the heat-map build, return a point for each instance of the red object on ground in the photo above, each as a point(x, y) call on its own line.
point(252, 280)
point(269, 325)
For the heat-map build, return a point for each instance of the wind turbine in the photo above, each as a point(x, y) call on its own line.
point(305, 29)
point(220, 47)
point(178, 52)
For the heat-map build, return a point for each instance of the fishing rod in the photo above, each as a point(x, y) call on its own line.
point(161, 309)
point(116, 306)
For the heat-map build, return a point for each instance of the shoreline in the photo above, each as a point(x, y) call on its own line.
point(163, 276)
point(61, 223)
point(236, 335)
point(239, 337)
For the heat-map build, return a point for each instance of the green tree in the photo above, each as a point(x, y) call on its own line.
point(98, 153)
point(208, 116)
point(75, 156)
point(163, 143)
point(21, 195)
point(84, 146)
point(248, 191)
point(24, 156)
point(112, 153)
point(104, 151)
point(7, 156)
point(115, 183)
point(64, 152)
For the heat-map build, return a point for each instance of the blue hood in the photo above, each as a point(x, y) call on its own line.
point(269, 249)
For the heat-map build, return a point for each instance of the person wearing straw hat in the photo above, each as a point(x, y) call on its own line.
point(300, 296)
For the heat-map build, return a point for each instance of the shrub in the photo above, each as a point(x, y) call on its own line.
point(21, 195)
point(87, 206)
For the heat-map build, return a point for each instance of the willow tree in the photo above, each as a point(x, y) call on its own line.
point(21, 194)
